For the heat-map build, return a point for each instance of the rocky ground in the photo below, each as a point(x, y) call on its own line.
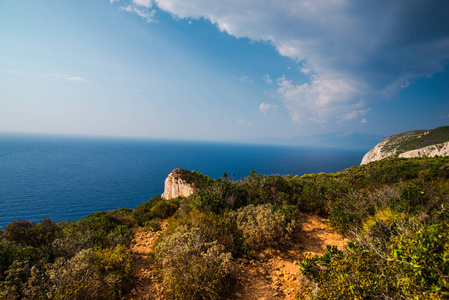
point(273, 275)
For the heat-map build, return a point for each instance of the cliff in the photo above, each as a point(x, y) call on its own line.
point(176, 186)
point(415, 143)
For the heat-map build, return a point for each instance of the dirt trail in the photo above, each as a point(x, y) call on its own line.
point(274, 275)
point(146, 284)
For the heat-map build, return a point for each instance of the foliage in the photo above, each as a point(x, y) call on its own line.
point(86, 259)
point(435, 136)
point(198, 179)
point(213, 227)
point(394, 212)
point(220, 196)
point(409, 261)
point(155, 207)
point(192, 265)
point(262, 227)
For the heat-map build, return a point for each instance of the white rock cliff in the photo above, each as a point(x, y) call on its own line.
point(432, 150)
point(391, 145)
point(175, 186)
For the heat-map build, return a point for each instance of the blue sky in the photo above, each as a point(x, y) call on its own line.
point(237, 70)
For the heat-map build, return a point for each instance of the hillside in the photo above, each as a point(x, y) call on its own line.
point(400, 145)
point(263, 233)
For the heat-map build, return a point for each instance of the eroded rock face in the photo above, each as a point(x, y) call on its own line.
point(378, 153)
point(433, 150)
point(175, 186)
point(417, 143)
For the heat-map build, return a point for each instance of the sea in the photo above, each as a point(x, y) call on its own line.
point(68, 177)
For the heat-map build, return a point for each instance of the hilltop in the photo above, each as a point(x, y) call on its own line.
point(386, 223)
point(416, 143)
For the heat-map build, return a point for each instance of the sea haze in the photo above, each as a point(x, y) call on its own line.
point(67, 178)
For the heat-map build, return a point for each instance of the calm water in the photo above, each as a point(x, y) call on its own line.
point(69, 178)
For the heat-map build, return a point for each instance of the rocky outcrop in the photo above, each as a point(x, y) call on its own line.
point(415, 143)
point(389, 146)
point(175, 186)
point(433, 150)
point(378, 153)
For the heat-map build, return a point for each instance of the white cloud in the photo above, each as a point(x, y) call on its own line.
point(318, 100)
point(267, 79)
point(351, 49)
point(306, 69)
point(267, 108)
point(144, 3)
point(141, 10)
point(363, 121)
point(112, 1)
point(350, 115)
point(354, 114)
point(243, 78)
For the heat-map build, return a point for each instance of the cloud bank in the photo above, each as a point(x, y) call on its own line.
point(350, 49)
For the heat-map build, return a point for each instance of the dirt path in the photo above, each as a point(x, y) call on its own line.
point(274, 275)
point(146, 284)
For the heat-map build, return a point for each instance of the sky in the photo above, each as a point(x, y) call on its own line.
point(235, 70)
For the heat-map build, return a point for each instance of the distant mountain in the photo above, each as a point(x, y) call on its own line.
point(360, 141)
point(416, 143)
point(340, 140)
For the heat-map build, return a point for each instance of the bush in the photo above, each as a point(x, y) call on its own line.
point(25, 233)
point(411, 264)
point(213, 227)
point(91, 274)
point(115, 267)
point(192, 267)
point(141, 213)
point(152, 226)
point(262, 227)
point(163, 209)
point(219, 196)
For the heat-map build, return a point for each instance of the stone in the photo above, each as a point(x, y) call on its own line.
point(175, 186)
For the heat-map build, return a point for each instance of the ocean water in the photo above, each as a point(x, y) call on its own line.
point(67, 178)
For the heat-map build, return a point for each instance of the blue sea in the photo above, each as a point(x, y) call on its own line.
point(67, 178)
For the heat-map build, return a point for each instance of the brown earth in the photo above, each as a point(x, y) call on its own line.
point(273, 275)
point(146, 283)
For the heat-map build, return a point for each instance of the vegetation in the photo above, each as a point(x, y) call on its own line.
point(417, 139)
point(393, 211)
point(85, 259)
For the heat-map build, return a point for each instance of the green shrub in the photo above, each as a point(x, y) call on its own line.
point(191, 266)
point(413, 199)
point(163, 209)
point(219, 196)
point(213, 227)
point(262, 227)
point(115, 265)
point(345, 214)
point(152, 226)
point(141, 213)
point(25, 233)
point(412, 264)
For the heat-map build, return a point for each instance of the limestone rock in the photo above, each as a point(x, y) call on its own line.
point(433, 150)
point(175, 186)
point(415, 143)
